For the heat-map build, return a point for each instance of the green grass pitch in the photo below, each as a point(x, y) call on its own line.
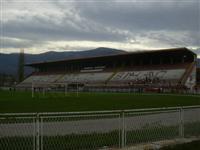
point(22, 102)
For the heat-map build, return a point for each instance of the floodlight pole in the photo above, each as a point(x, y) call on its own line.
point(43, 91)
point(32, 90)
point(65, 89)
point(77, 90)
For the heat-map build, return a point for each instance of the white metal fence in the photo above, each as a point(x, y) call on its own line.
point(96, 130)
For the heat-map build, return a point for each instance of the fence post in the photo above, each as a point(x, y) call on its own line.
point(181, 123)
point(37, 132)
point(34, 133)
point(123, 130)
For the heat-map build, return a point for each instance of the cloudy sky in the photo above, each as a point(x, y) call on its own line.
point(65, 25)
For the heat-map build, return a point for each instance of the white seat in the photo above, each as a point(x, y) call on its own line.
point(86, 77)
point(166, 75)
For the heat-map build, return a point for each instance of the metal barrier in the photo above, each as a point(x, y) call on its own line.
point(97, 129)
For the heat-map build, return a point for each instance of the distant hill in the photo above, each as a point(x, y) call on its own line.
point(9, 62)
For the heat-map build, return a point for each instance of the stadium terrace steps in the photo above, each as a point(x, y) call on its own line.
point(41, 79)
point(132, 76)
point(163, 77)
point(108, 77)
point(85, 77)
point(187, 73)
point(61, 76)
point(113, 74)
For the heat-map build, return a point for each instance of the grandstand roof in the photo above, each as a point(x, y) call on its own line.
point(160, 51)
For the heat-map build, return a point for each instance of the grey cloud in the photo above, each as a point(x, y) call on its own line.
point(38, 28)
point(134, 16)
point(107, 21)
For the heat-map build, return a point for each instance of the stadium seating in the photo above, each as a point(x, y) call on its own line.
point(41, 79)
point(148, 75)
point(86, 77)
point(151, 76)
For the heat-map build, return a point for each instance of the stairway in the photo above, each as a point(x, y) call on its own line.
point(114, 73)
point(186, 74)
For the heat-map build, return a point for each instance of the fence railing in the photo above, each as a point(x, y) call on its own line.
point(97, 129)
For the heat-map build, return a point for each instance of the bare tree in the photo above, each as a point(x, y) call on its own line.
point(21, 66)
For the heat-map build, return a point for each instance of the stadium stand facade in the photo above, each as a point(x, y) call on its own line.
point(159, 70)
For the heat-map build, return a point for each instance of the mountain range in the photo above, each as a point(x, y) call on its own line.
point(9, 62)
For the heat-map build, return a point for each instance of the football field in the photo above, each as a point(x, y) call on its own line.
point(22, 102)
point(92, 130)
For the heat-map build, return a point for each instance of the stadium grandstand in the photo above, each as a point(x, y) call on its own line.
point(165, 70)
